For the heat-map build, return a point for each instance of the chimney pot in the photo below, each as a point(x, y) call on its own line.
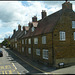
point(19, 27)
point(14, 31)
point(23, 28)
point(34, 19)
point(44, 14)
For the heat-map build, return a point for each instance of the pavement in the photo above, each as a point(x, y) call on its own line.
point(43, 69)
point(38, 66)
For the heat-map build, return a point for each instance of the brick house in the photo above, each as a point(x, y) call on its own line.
point(55, 35)
point(23, 46)
point(51, 40)
point(13, 41)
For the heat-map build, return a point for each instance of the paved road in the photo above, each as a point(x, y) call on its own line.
point(11, 64)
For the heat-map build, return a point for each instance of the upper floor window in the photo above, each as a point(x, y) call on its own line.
point(74, 35)
point(33, 29)
point(15, 39)
point(45, 54)
point(73, 24)
point(43, 39)
point(35, 40)
point(62, 36)
point(29, 40)
point(37, 51)
point(25, 41)
point(29, 50)
point(22, 41)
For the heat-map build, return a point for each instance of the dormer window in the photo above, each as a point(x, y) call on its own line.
point(33, 29)
point(25, 32)
point(73, 24)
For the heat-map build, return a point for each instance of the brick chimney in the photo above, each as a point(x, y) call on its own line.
point(23, 28)
point(67, 5)
point(14, 31)
point(34, 19)
point(30, 24)
point(44, 14)
point(19, 27)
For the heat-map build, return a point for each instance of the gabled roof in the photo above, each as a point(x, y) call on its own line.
point(14, 35)
point(45, 25)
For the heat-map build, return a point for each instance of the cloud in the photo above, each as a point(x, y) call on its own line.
point(14, 12)
point(5, 35)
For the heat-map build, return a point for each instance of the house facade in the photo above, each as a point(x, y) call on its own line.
point(51, 40)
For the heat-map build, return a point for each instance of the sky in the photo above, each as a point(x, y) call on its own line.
point(13, 13)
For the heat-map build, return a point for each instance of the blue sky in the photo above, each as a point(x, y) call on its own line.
point(13, 13)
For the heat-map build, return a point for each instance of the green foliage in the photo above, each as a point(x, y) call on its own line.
point(6, 43)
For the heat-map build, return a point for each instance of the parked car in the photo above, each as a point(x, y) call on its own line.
point(1, 53)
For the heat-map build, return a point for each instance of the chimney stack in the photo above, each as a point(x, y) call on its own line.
point(67, 5)
point(44, 14)
point(23, 28)
point(14, 31)
point(19, 27)
point(34, 19)
point(30, 24)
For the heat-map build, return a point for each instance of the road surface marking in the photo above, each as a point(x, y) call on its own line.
point(14, 66)
point(5, 72)
point(10, 71)
point(30, 64)
point(18, 72)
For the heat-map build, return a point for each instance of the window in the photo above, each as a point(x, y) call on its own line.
point(15, 39)
point(35, 40)
point(15, 45)
point(25, 41)
point(74, 35)
point(45, 54)
point(73, 24)
point(37, 51)
point(29, 50)
point(62, 35)
point(29, 41)
point(33, 29)
point(22, 49)
point(44, 40)
point(22, 41)
point(25, 32)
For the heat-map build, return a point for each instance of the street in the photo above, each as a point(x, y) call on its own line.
point(11, 64)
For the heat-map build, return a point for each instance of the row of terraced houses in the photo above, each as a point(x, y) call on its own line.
point(50, 40)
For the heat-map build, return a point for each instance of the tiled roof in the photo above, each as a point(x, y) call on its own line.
point(45, 25)
point(48, 23)
point(14, 35)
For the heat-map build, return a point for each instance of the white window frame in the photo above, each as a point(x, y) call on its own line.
point(29, 40)
point(74, 35)
point(25, 41)
point(33, 29)
point(15, 39)
point(43, 39)
point(38, 52)
point(35, 40)
point(15, 45)
point(29, 50)
point(22, 49)
point(45, 54)
point(73, 24)
point(62, 36)
point(22, 41)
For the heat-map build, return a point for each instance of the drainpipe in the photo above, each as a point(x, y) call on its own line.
point(53, 52)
